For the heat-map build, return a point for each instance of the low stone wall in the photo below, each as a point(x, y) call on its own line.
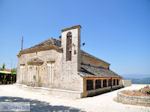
point(102, 90)
point(134, 100)
point(126, 83)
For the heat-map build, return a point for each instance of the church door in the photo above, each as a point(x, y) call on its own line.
point(22, 74)
point(50, 73)
point(32, 75)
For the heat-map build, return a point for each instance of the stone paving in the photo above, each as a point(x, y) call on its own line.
point(42, 102)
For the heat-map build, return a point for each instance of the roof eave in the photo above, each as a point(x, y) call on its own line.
point(87, 54)
point(70, 28)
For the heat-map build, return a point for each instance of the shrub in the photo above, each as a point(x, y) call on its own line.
point(146, 90)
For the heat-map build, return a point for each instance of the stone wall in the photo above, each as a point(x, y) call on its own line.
point(134, 100)
point(39, 75)
point(126, 83)
point(65, 73)
point(71, 67)
point(41, 72)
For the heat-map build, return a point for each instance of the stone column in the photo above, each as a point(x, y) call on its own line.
point(116, 82)
point(84, 87)
point(112, 81)
point(101, 83)
point(94, 84)
point(107, 80)
point(111, 85)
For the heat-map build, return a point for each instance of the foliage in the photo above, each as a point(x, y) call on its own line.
point(3, 67)
point(146, 90)
point(13, 71)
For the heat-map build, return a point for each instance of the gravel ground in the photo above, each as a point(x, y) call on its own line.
point(42, 102)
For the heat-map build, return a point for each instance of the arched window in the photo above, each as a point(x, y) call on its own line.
point(69, 46)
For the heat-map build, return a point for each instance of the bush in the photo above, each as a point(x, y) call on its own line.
point(146, 90)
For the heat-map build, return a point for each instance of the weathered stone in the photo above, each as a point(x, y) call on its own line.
point(46, 65)
point(134, 100)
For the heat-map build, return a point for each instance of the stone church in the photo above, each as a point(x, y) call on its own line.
point(61, 66)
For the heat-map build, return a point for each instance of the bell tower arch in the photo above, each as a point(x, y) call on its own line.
point(69, 46)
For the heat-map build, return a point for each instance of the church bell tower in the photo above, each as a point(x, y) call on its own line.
point(71, 46)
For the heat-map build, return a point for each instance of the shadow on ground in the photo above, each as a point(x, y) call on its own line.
point(39, 106)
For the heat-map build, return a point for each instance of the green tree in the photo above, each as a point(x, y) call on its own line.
point(13, 71)
point(3, 66)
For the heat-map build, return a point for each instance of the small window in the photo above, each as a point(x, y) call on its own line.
point(89, 84)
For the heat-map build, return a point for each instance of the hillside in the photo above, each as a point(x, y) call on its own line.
point(138, 78)
point(141, 81)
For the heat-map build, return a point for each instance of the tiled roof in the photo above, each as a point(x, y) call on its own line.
point(46, 45)
point(48, 42)
point(91, 71)
point(89, 55)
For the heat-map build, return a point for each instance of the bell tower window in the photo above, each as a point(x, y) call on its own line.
point(69, 46)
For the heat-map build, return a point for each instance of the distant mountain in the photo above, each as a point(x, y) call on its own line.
point(141, 81)
point(138, 78)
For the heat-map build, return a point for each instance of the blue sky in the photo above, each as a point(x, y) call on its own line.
point(117, 31)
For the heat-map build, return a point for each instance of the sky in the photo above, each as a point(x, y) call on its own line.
point(117, 31)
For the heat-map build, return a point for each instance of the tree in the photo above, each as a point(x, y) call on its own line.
point(3, 66)
point(13, 71)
